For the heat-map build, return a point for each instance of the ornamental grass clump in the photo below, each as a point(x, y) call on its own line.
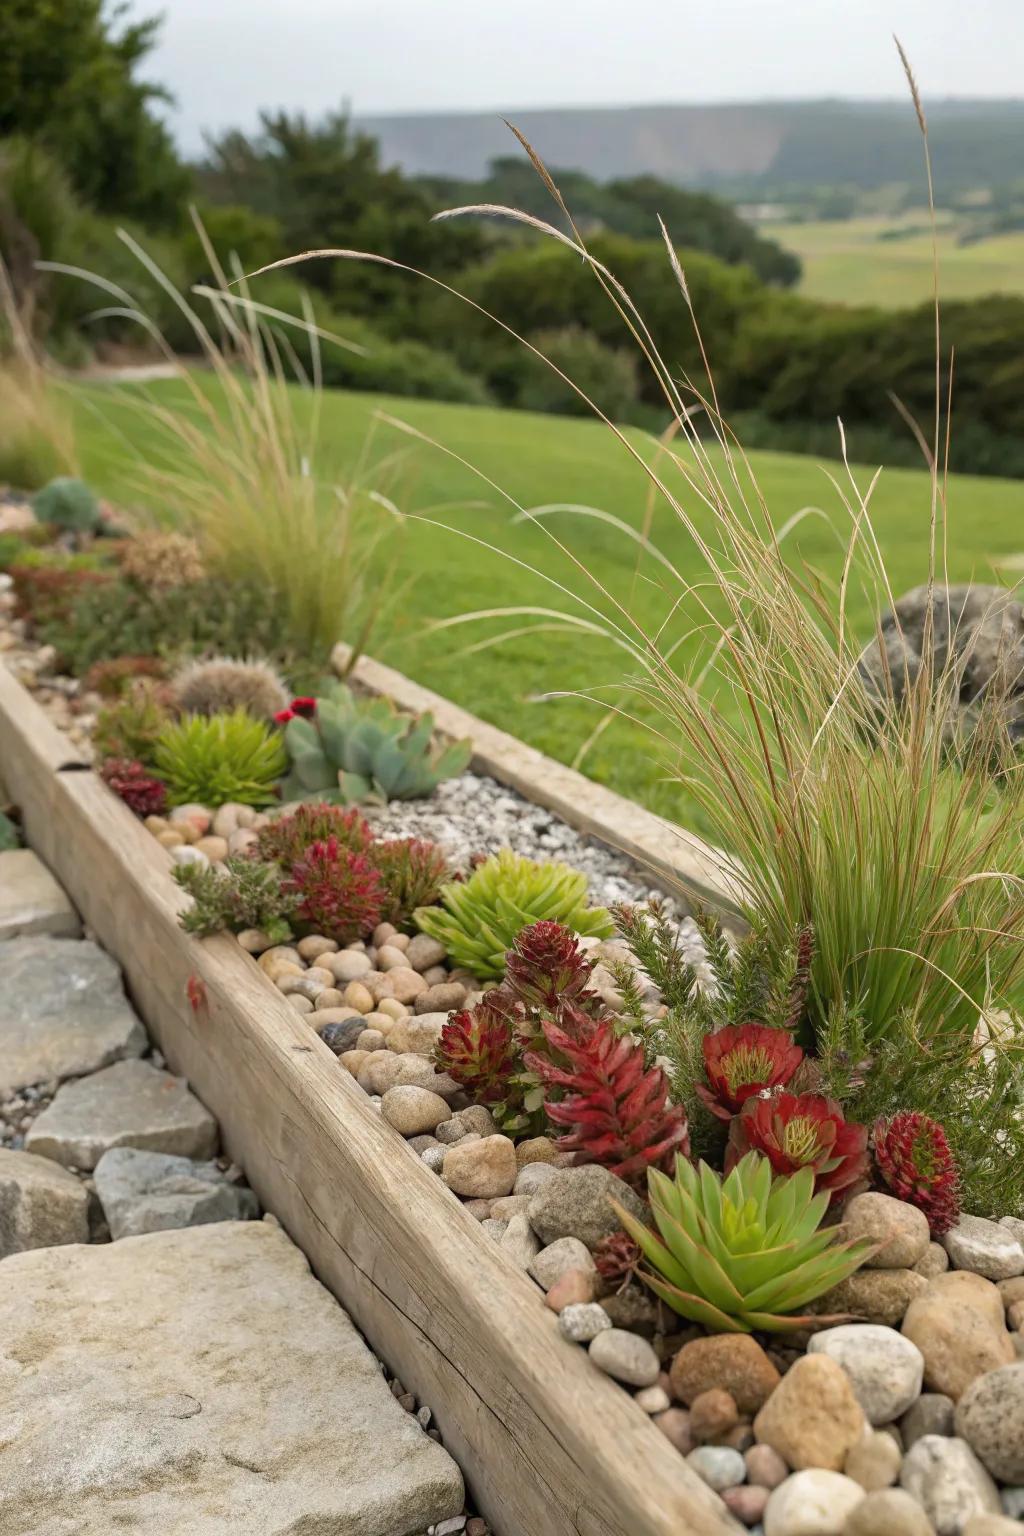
point(742, 1253)
point(220, 758)
point(479, 919)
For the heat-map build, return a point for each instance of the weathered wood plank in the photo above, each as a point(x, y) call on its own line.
point(548, 1444)
point(678, 859)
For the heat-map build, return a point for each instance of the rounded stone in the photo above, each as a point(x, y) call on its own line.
point(956, 1334)
point(813, 1418)
point(442, 997)
point(985, 1248)
point(535, 1149)
point(388, 958)
point(577, 1202)
point(949, 1482)
point(765, 1467)
point(531, 1176)
point(990, 1417)
point(341, 1034)
point(747, 1503)
point(314, 945)
point(652, 1399)
point(718, 1466)
point(625, 1356)
point(582, 1322)
point(357, 996)
point(934, 1261)
point(814, 1502)
point(932, 1414)
point(889, 1512)
point(574, 1288)
point(565, 1256)
point(348, 965)
point(413, 1111)
point(875, 1462)
point(405, 983)
point(713, 1413)
point(674, 1424)
point(482, 1169)
point(900, 1229)
point(991, 1525)
point(885, 1369)
point(734, 1361)
point(330, 997)
point(873, 1295)
point(215, 848)
point(424, 952)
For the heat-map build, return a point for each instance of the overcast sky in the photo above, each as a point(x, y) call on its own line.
point(224, 59)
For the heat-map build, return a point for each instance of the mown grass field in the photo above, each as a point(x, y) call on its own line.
point(889, 262)
point(539, 460)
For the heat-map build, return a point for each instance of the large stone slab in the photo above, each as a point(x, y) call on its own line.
point(31, 901)
point(41, 1204)
point(200, 1383)
point(130, 1104)
point(63, 1012)
point(152, 1192)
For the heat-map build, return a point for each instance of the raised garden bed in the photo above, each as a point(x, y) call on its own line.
point(547, 1443)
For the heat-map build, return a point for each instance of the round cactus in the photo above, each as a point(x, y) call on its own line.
point(224, 683)
point(914, 1159)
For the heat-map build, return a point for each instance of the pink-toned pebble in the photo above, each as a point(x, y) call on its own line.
point(765, 1467)
point(574, 1288)
point(674, 1424)
point(747, 1503)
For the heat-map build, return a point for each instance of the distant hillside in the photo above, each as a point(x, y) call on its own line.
point(747, 150)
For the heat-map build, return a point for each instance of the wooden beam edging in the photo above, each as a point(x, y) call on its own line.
point(679, 860)
point(549, 1445)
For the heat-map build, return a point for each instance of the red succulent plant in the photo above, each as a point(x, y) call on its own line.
point(286, 839)
point(805, 1130)
point(413, 872)
point(477, 1047)
point(548, 972)
point(140, 791)
point(340, 893)
point(914, 1159)
point(616, 1259)
point(743, 1060)
point(617, 1109)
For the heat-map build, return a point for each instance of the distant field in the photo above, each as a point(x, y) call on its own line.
point(851, 261)
point(541, 460)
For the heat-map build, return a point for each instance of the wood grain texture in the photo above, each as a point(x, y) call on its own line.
point(678, 860)
point(549, 1446)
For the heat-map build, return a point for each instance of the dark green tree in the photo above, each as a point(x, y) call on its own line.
point(69, 79)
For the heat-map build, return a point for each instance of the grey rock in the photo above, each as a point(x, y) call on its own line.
point(990, 1417)
point(1015, 1226)
point(985, 1248)
point(530, 1178)
point(625, 1356)
point(582, 1321)
point(423, 952)
point(434, 1158)
point(934, 1261)
point(885, 1369)
point(63, 1012)
point(154, 1192)
point(130, 1104)
point(949, 1482)
point(577, 1202)
point(200, 1381)
point(41, 1204)
point(495, 1229)
point(555, 1260)
point(31, 901)
point(1012, 1500)
point(718, 1465)
point(341, 1034)
point(932, 1414)
point(518, 1240)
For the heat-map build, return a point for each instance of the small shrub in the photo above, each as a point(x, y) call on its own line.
point(244, 893)
point(131, 727)
point(607, 375)
point(212, 760)
point(287, 837)
point(479, 919)
point(70, 505)
point(339, 893)
point(141, 792)
point(112, 679)
point(223, 683)
point(48, 591)
point(742, 1253)
point(159, 561)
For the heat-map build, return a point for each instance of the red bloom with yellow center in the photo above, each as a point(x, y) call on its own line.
point(804, 1130)
point(743, 1060)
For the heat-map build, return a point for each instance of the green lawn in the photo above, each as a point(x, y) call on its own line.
point(538, 460)
point(851, 261)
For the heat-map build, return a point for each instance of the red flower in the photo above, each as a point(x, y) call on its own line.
point(284, 715)
point(743, 1060)
point(915, 1160)
point(802, 1131)
point(304, 707)
point(617, 1110)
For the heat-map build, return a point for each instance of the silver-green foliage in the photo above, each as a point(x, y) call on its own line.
point(361, 750)
point(68, 503)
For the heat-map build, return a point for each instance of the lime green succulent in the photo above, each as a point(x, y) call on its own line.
point(741, 1253)
point(479, 919)
point(210, 760)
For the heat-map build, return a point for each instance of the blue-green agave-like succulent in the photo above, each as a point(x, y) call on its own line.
point(355, 750)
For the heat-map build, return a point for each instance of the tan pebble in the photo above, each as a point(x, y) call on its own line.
point(393, 1008)
point(383, 932)
point(316, 944)
point(215, 848)
point(370, 1040)
point(480, 1210)
point(406, 984)
point(348, 965)
point(198, 814)
point(320, 974)
point(1015, 1315)
point(380, 1022)
point(241, 840)
point(812, 1418)
point(674, 1424)
point(279, 969)
point(225, 822)
point(330, 997)
point(354, 1061)
point(327, 1016)
point(535, 1149)
point(172, 838)
point(248, 816)
point(356, 996)
point(289, 983)
point(278, 952)
point(380, 985)
point(300, 1004)
point(155, 824)
point(713, 1413)
point(254, 941)
point(399, 941)
point(435, 975)
point(388, 958)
